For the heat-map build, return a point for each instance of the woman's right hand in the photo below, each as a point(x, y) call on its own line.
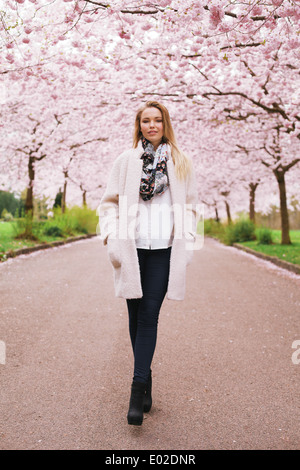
point(114, 254)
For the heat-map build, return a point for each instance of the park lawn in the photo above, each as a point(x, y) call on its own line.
point(290, 253)
point(9, 243)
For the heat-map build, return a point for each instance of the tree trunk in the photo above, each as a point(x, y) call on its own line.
point(228, 213)
point(29, 192)
point(285, 226)
point(63, 199)
point(84, 198)
point(252, 187)
point(217, 214)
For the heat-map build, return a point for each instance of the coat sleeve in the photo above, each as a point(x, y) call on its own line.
point(192, 213)
point(108, 209)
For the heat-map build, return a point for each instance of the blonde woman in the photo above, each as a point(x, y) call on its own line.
point(148, 221)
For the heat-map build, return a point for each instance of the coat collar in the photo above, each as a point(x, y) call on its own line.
point(139, 150)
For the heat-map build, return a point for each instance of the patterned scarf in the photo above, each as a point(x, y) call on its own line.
point(154, 180)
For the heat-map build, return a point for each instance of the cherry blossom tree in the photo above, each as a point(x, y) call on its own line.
point(73, 73)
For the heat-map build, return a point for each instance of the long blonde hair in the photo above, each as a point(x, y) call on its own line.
point(181, 161)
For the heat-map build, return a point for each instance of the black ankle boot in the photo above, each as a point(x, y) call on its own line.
point(136, 404)
point(148, 395)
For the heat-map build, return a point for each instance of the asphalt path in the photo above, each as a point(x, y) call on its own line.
point(225, 374)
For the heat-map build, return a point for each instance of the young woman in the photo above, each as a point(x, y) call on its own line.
point(148, 221)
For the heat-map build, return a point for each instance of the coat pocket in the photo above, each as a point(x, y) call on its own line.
point(113, 250)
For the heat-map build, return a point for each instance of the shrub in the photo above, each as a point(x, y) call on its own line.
point(213, 228)
point(264, 236)
point(8, 217)
point(66, 223)
point(75, 220)
point(241, 231)
point(27, 228)
point(53, 231)
point(85, 220)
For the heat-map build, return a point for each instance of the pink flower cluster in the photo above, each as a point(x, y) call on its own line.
point(216, 16)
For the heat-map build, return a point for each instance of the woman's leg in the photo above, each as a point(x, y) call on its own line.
point(133, 304)
point(154, 277)
point(133, 308)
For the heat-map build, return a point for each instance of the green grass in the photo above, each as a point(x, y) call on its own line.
point(9, 243)
point(290, 253)
point(77, 221)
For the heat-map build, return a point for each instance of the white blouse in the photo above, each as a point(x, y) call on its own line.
point(155, 222)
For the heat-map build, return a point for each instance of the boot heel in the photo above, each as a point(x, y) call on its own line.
point(136, 404)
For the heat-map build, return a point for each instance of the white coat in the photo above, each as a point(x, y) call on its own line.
point(117, 218)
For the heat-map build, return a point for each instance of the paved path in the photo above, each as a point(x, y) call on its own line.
point(223, 371)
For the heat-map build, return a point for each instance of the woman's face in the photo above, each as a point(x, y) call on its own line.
point(152, 126)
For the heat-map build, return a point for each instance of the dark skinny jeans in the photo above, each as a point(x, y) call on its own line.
point(144, 312)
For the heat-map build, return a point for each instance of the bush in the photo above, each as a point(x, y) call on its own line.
point(7, 216)
point(27, 228)
point(85, 219)
point(213, 228)
point(64, 221)
point(241, 231)
point(264, 236)
point(75, 220)
point(53, 231)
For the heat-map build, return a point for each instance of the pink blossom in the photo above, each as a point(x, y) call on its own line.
point(26, 40)
point(27, 30)
point(256, 10)
point(293, 43)
point(277, 3)
point(271, 24)
point(79, 64)
point(224, 28)
point(124, 35)
point(216, 15)
point(69, 19)
point(287, 12)
point(10, 58)
point(164, 3)
point(78, 8)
